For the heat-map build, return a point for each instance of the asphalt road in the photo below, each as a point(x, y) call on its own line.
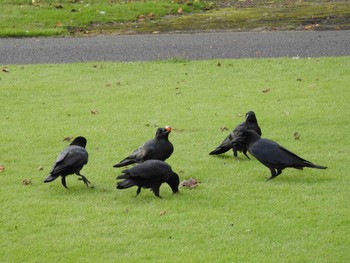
point(163, 46)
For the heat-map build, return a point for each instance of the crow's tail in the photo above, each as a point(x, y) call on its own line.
point(127, 183)
point(50, 178)
point(220, 150)
point(124, 162)
point(312, 165)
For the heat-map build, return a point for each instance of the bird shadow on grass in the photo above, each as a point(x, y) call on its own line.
point(300, 179)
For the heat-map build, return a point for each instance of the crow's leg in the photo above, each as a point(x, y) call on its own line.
point(273, 174)
point(63, 181)
point(235, 155)
point(156, 191)
point(279, 171)
point(245, 153)
point(138, 190)
point(84, 179)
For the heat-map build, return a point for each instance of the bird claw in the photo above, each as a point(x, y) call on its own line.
point(85, 180)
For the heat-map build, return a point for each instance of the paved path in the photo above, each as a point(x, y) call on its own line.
point(188, 46)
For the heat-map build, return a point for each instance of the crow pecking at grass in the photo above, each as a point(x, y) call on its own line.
point(71, 160)
point(159, 148)
point(251, 123)
point(272, 155)
point(149, 174)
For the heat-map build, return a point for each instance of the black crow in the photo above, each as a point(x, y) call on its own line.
point(251, 123)
point(71, 160)
point(159, 148)
point(272, 155)
point(149, 174)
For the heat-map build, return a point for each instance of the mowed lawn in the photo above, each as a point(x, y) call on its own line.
point(234, 215)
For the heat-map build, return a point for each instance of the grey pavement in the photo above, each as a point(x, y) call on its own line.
point(194, 46)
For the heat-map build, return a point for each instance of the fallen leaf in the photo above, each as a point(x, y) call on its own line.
point(161, 213)
point(40, 168)
point(155, 32)
point(58, 24)
point(109, 85)
point(190, 183)
point(68, 139)
point(296, 135)
point(2, 168)
point(94, 112)
point(5, 69)
point(26, 181)
point(180, 11)
point(266, 90)
point(223, 128)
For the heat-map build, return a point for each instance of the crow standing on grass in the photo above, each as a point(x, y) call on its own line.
point(250, 123)
point(71, 160)
point(272, 155)
point(149, 174)
point(159, 148)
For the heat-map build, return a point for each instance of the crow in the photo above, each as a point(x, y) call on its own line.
point(272, 155)
point(71, 160)
point(250, 123)
point(149, 174)
point(159, 148)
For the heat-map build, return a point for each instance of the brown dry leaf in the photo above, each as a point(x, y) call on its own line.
point(161, 213)
point(296, 135)
point(68, 139)
point(224, 128)
point(94, 112)
point(180, 11)
point(190, 183)
point(26, 181)
point(142, 18)
point(58, 24)
point(266, 90)
point(309, 27)
point(2, 168)
point(155, 32)
point(5, 69)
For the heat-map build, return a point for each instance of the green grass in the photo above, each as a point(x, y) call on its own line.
point(233, 216)
point(72, 17)
point(47, 18)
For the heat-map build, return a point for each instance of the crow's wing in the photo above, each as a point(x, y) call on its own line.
point(71, 157)
point(226, 143)
point(271, 153)
point(151, 169)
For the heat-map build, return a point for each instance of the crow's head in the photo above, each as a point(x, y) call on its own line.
point(163, 132)
point(80, 141)
point(174, 181)
point(250, 116)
